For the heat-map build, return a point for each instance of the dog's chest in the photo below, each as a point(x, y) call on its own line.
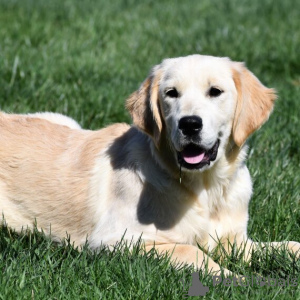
point(212, 217)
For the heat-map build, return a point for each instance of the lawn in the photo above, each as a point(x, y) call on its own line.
point(83, 58)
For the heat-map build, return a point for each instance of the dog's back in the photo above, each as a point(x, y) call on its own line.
point(45, 171)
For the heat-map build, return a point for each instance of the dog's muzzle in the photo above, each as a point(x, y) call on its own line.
point(193, 155)
point(196, 157)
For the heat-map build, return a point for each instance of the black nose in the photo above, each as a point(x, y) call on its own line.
point(190, 125)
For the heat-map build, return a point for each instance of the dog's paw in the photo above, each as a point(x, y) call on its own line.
point(294, 247)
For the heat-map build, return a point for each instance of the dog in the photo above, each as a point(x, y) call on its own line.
point(177, 177)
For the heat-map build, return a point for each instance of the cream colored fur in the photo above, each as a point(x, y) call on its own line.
point(96, 184)
point(57, 119)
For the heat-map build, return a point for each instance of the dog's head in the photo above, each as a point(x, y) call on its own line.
point(200, 102)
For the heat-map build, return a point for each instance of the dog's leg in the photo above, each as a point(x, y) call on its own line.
point(250, 246)
point(188, 254)
point(246, 248)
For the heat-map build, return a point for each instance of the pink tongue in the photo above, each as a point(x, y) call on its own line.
point(194, 159)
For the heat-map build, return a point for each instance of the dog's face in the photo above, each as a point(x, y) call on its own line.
point(201, 102)
point(197, 99)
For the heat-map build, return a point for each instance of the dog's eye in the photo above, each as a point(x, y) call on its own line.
point(172, 93)
point(214, 92)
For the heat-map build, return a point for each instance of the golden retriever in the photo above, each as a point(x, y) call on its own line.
point(177, 176)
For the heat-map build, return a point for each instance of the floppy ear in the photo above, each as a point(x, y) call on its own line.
point(254, 103)
point(143, 106)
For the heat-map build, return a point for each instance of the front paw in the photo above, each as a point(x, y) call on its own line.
point(295, 248)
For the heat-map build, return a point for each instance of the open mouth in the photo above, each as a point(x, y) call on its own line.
point(196, 157)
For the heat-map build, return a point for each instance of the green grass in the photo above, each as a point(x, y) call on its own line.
point(83, 58)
